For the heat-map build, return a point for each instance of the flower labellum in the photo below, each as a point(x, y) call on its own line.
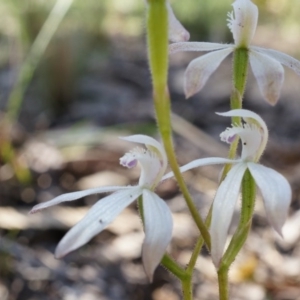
point(275, 189)
point(266, 64)
point(157, 216)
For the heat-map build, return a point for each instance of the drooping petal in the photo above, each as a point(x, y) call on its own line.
point(243, 22)
point(196, 46)
point(98, 217)
point(77, 195)
point(283, 58)
point(158, 231)
point(177, 33)
point(269, 74)
point(223, 208)
point(200, 69)
point(251, 117)
point(276, 192)
point(201, 162)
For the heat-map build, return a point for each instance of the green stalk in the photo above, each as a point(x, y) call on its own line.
point(157, 25)
point(223, 283)
point(240, 73)
point(240, 236)
point(187, 282)
point(171, 265)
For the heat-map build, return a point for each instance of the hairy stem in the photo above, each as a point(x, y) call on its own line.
point(240, 73)
point(157, 25)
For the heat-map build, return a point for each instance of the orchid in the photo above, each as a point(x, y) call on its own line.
point(266, 64)
point(275, 189)
point(177, 33)
point(156, 214)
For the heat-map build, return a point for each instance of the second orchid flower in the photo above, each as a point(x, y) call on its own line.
point(275, 189)
point(266, 64)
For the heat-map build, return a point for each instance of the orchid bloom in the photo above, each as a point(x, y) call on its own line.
point(177, 33)
point(157, 216)
point(275, 189)
point(266, 64)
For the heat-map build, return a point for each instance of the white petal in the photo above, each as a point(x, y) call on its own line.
point(276, 192)
point(244, 22)
point(196, 46)
point(283, 58)
point(98, 217)
point(148, 141)
point(247, 115)
point(177, 33)
point(158, 231)
point(200, 69)
point(269, 74)
point(201, 162)
point(223, 208)
point(77, 195)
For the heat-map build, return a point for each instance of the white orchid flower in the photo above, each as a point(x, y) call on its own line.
point(275, 189)
point(266, 64)
point(177, 33)
point(157, 216)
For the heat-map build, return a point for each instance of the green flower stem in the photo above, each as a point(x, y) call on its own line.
point(187, 282)
point(157, 25)
point(241, 234)
point(193, 209)
point(231, 155)
point(170, 264)
point(223, 283)
point(187, 288)
point(240, 73)
point(141, 209)
point(199, 245)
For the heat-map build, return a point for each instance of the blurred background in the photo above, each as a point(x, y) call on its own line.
point(73, 78)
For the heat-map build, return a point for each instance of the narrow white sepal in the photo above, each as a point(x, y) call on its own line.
point(98, 217)
point(158, 231)
point(200, 69)
point(283, 58)
point(77, 195)
point(276, 192)
point(196, 46)
point(201, 162)
point(177, 33)
point(269, 74)
point(223, 209)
